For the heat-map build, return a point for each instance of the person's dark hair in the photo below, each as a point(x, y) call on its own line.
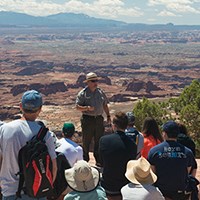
point(120, 120)
point(68, 129)
point(171, 129)
point(150, 127)
point(131, 118)
point(30, 111)
point(68, 134)
point(182, 129)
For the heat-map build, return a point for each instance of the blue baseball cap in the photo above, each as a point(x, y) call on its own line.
point(31, 100)
point(171, 127)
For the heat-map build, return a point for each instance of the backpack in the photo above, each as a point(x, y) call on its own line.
point(133, 135)
point(35, 167)
point(132, 148)
point(60, 183)
point(186, 141)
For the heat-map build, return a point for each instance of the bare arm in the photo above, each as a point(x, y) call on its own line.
point(106, 109)
point(193, 172)
point(189, 169)
point(54, 168)
point(84, 108)
point(0, 161)
point(153, 168)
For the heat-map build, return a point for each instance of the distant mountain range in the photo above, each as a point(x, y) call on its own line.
point(13, 19)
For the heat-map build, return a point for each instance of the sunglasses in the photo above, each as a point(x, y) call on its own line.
point(94, 81)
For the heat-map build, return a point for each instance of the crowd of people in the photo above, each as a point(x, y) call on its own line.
point(130, 165)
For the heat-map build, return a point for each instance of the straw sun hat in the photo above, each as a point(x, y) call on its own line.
point(91, 76)
point(82, 177)
point(139, 172)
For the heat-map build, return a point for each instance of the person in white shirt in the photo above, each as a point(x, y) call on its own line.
point(72, 151)
point(141, 179)
point(13, 136)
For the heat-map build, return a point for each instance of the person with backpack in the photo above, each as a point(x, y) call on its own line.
point(15, 135)
point(115, 151)
point(184, 139)
point(134, 134)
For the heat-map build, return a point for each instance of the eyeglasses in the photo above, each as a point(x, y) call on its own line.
point(94, 81)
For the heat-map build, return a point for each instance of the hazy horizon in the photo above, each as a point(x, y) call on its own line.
point(178, 12)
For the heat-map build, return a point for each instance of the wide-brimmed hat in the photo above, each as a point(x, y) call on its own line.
point(82, 177)
point(139, 172)
point(91, 76)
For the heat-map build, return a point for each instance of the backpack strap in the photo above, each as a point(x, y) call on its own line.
point(21, 177)
point(40, 136)
point(42, 132)
point(125, 140)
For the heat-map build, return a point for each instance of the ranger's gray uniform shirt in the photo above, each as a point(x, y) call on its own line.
point(96, 99)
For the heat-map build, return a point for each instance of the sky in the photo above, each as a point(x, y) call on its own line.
point(132, 11)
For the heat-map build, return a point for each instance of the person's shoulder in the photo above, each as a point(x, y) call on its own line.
point(11, 124)
point(157, 147)
point(101, 192)
point(71, 195)
point(64, 142)
point(100, 91)
point(185, 140)
point(188, 151)
point(77, 146)
point(183, 146)
point(108, 137)
point(140, 136)
point(81, 92)
point(100, 188)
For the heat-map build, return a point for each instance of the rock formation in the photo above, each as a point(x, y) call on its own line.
point(119, 98)
point(136, 86)
point(45, 89)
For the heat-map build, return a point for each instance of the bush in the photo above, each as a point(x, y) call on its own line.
point(186, 107)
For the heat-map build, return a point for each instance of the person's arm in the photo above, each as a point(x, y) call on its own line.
point(80, 103)
point(54, 171)
point(153, 168)
point(193, 172)
point(84, 108)
point(100, 152)
point(0, 161)
point(106, 110)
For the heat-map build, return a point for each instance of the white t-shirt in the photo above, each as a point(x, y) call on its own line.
point(141, 192)
point(72, 151)
point(13, 136)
